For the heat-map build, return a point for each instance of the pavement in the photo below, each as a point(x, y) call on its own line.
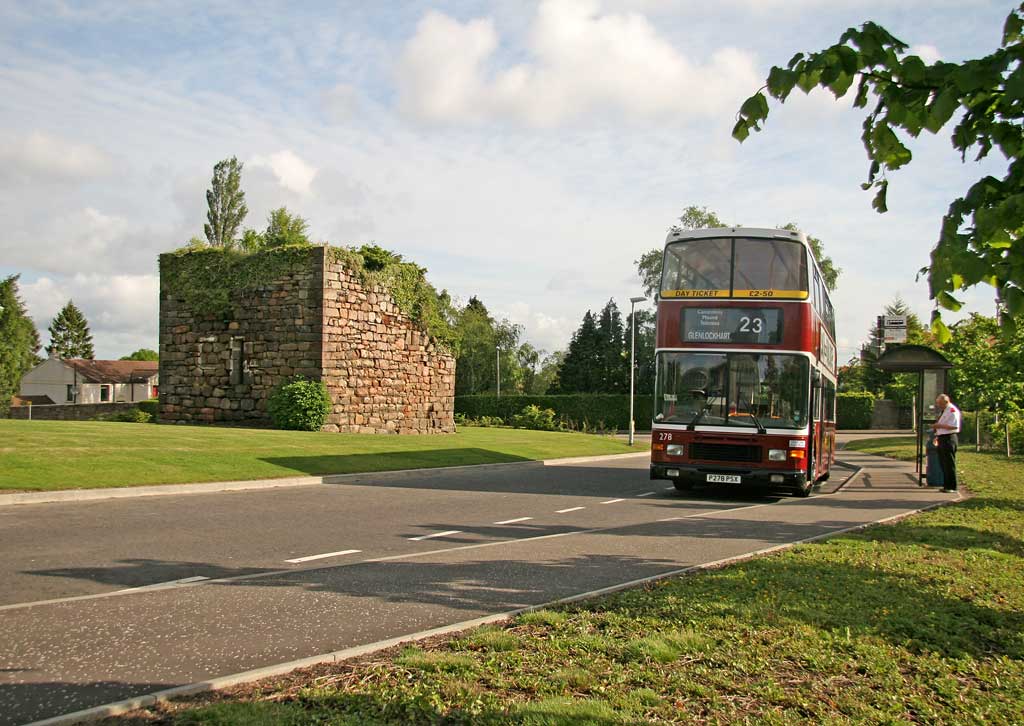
point(107, 600)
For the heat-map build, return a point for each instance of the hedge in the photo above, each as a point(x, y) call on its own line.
point(854, 410)
point(611, 411)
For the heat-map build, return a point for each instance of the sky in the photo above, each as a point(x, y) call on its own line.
point(523, 152)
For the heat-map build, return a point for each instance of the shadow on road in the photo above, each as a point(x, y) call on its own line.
point(21, 703)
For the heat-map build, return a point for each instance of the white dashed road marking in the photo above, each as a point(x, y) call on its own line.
point(570, 509)
point(436, 534)
point(513, 521)
point(297, 560)
point(613, 501)
point(647, 494)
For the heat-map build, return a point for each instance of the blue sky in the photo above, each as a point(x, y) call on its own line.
point(523, 152)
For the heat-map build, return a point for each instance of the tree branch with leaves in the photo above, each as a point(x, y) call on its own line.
point(980, 239)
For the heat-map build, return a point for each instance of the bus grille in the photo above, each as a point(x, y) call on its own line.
point(725, 452)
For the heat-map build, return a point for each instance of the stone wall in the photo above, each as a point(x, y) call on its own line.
point(316, 319)
point(70, 411)
point(383, 373)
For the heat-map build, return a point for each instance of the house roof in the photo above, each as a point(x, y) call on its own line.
point(113, 371)
point(18, 400)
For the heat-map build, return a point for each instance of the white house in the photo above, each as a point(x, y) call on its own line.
point(76, 380)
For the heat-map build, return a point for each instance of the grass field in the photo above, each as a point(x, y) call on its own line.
point(921, 621)
point(43, 455)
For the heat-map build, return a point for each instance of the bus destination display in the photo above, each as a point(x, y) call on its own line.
point(732, 325)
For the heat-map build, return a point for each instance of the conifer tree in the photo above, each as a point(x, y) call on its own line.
point(226, 202)
point(69, 334)
point(19, 340)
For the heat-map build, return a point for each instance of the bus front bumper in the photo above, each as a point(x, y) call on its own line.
point(700, 473)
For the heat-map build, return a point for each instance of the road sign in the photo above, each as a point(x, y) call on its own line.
point(894, 328)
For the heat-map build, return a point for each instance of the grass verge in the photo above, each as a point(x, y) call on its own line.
point(48, 455)
point(921, 621)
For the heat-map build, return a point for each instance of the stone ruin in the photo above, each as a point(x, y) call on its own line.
point(315, 319)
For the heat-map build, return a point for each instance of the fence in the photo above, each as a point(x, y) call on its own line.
point(1003, 433)
point(70, 411)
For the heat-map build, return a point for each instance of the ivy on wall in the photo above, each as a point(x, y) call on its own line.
point(210, 280)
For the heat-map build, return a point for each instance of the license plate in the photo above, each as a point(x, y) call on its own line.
point(724, 478)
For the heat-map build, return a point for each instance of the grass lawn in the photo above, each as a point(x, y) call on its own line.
point(921, 621)
point(41, 455)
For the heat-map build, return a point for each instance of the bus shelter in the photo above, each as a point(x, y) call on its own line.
point(932, 370)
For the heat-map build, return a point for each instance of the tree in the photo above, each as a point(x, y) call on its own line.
point(226, 202)
point(482, 344)
point(528, 358)
point(988, 368)
point(285, 228)
point(898, 387)
point(645, 339)
point(648, 267)
point(546, 380)
point(69, 334)
point(613, 356)
point(980, 238)
point(829, 270)
point(580, 368)
point(142, 354)
point(19, 340)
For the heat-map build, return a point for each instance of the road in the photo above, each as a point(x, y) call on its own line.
point(110, 599)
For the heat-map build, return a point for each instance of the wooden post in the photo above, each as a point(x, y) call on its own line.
point(977, 431)
point(1006, 423)
point(29, 410)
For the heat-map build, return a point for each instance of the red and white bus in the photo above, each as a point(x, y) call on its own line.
point(746, 362)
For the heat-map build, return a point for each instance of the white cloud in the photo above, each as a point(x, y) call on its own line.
point(583, 62)
point(341, 102)
point(291, 171)
point(122, 310)
point(42, 157)
point(928, 53)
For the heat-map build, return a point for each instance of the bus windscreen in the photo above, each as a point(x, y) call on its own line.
point(741, 267)
point(732, 389)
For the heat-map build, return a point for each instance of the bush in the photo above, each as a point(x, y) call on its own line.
point(299, 405)
point(152, 406)
point(577, 411)
point(536, 418)
point(998, 432)
point(135, 416)
point(854, 410)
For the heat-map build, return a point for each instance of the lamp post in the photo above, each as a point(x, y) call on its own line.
point(497, 367)
point(632, 361)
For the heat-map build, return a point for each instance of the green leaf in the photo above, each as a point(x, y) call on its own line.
point(1012, 28)
point(808, 80)
point(849, 59)
point(781, 82)
point(841, 84)
point(755, 108)
point(948, 301)
point(939, 328)
point(1013, 298)
point(941, 109)
point(913, 69)
point(740, 131)
point(878, 203)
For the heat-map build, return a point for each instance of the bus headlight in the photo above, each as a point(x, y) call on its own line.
point(674, 449)
point(776, 454)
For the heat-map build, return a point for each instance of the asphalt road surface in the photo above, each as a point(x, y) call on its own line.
point(105, 600)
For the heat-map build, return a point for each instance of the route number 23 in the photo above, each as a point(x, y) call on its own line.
point(751, 325)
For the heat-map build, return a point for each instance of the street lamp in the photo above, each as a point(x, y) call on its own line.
point(497, 367)
point(632, 361)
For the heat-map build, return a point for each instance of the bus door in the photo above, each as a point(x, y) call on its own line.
point(816, 440)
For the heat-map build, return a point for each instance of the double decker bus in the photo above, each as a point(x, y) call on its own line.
point(745, 386)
